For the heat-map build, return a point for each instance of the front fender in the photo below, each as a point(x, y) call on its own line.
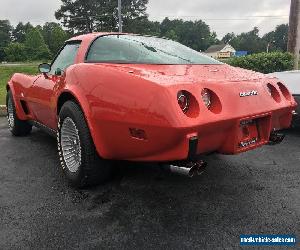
point(18, 86)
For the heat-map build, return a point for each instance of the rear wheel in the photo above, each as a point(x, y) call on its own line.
point(78, 156)
point(16, 126)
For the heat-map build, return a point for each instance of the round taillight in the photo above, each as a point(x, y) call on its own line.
point(183, 101)
point(269, 89)
point(274, 93)
point(206, 97)
point(286, 93)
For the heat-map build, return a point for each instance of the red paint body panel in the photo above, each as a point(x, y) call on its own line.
point(116, 98)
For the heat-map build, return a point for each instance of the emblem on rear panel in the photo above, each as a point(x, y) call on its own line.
point(249, 93)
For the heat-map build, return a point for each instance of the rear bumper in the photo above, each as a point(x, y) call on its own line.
point(181, 143)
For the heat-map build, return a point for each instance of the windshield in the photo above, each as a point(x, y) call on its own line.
point(133, 49)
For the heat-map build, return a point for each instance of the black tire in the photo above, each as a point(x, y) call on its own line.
point(91, 170)
point(17, 127)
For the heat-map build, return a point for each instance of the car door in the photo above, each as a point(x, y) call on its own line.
point(42, 101)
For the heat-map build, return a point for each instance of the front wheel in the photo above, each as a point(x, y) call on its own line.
point(78, 156)
point(16, 126)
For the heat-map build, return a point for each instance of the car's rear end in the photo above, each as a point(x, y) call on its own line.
point(227, 118)
point(170, 116)
point(152, 99)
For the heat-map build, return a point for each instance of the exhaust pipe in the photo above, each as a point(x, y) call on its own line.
point(189, 169)
point(276, 138)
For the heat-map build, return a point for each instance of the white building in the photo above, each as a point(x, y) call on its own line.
point(220, 51)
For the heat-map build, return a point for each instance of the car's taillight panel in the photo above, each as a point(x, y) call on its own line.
point(188, 103)
point(206, 97)
point(183, 100)
point(211, 101)
point(286, 93)
point(274, 93)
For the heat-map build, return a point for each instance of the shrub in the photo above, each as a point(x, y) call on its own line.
point(15, 52)
point(264, 62)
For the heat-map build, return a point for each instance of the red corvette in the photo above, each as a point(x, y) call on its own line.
point(129, 97)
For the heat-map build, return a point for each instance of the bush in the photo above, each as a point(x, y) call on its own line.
point(264, 62)
point(15, 52)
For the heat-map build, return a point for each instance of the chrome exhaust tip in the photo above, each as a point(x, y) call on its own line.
point(276, 138)
point(189, 169)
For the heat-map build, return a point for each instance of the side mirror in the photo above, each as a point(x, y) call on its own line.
point(44, 68)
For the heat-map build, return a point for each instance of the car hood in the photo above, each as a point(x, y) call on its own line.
point(174, 74)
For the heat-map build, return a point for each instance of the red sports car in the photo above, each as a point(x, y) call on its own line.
point(110, 96)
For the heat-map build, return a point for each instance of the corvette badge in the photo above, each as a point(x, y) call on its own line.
point(249, 93)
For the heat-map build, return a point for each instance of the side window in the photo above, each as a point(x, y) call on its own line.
point(65, 58)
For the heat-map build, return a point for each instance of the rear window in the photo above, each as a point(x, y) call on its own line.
point(133, 49)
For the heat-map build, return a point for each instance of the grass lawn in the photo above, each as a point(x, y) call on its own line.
point(6, 71)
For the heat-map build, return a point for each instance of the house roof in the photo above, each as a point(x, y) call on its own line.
point(215, 48)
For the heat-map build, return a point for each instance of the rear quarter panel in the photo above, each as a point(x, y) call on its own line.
point(114, 101)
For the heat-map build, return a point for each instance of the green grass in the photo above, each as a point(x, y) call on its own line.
point(6, 71)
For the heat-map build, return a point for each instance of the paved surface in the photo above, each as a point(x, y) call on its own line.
point(142, 207)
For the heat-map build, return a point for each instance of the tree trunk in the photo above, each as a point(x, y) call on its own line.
point(294, 31)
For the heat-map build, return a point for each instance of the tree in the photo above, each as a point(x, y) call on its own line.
point(249, 41)
point(15, 52)
point(228, 38)
point(142, 26)
point(278, 38)
point(35, 46)
point(54, 36)
point(5, 36)
point(281, 36)
point(168, 25)
point(132, 11)
point(19, 33)
point(81, 16)
point(171, 34)
point(196, 35)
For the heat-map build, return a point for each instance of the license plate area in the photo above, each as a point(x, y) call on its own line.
point(253, 132)
point(248, 133)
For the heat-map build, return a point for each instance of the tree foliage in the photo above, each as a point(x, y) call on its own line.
point(5, 36)
point(82, 16)
point(248, 41)
point(142, 26)
point(278, 38)
point(251, 41)
point(196, 35)
point(15, 52)
point(54, 36)
point(19, 33)
point(26, 42)
point(35, 46)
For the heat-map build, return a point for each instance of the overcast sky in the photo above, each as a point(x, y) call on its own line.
point(223, 16)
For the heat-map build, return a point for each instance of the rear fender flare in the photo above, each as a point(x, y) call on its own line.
point(81, 100)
